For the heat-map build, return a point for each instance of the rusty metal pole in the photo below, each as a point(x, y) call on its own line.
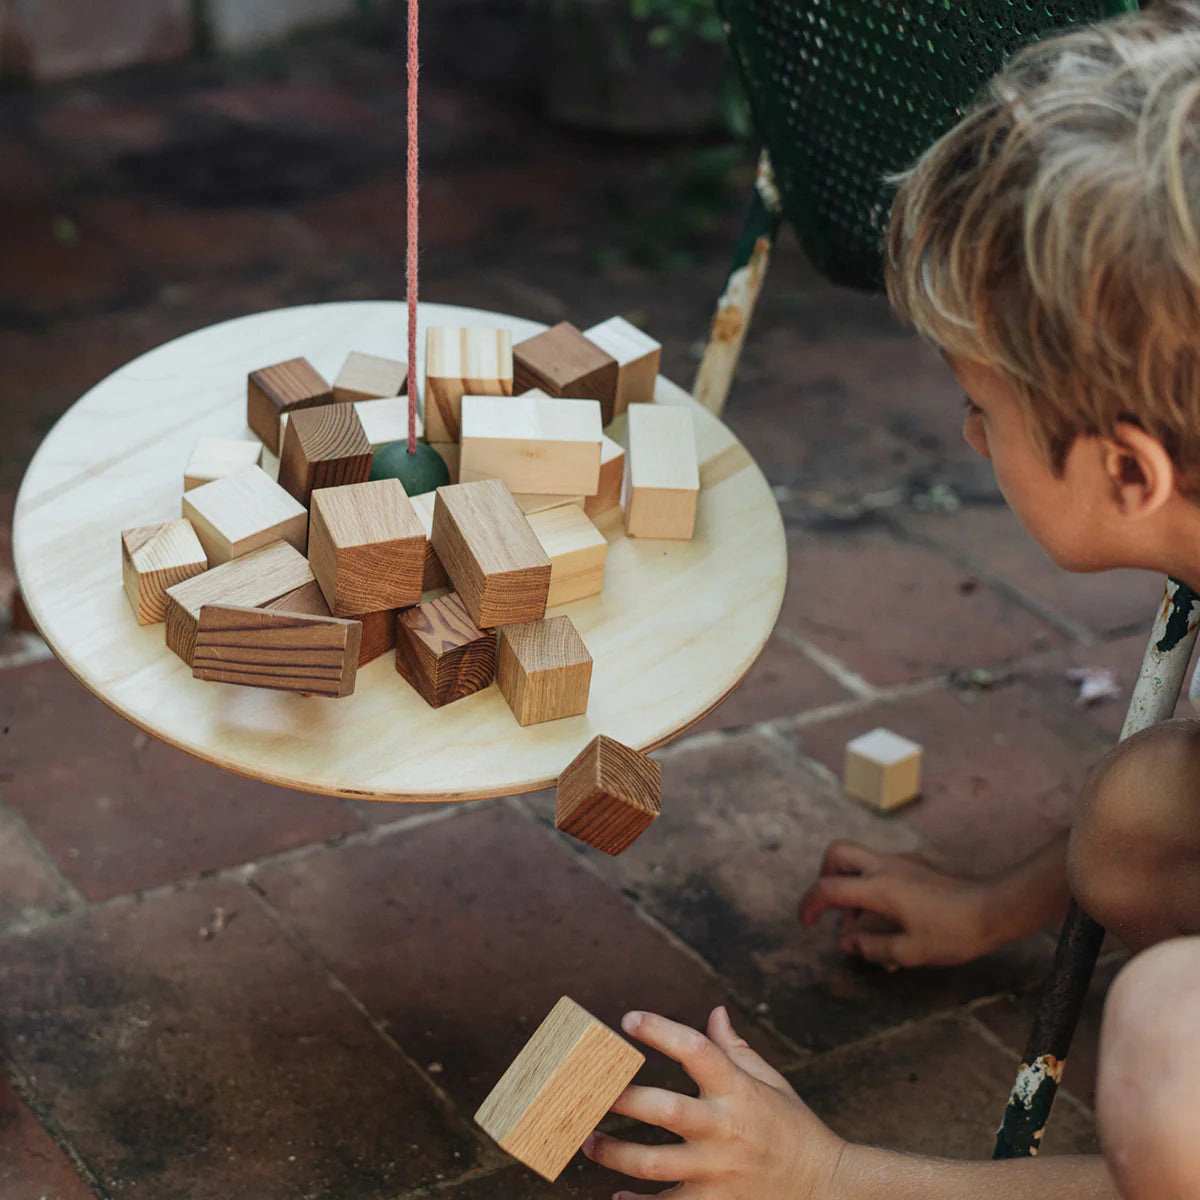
point(1155, 695)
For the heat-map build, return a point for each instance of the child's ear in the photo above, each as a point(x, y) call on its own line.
point(1140, 472)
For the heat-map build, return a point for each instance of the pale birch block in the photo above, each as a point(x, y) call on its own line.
point(367, 377)
point(386, 420)
point(243, 512)
point(216, 457)
point(638, 358)
point(662, 477)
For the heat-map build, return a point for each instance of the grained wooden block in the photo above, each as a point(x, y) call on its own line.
point(562, 362)
point(284, 387)
point(442, 652)
point(283, 651)
point(435, 574)
point(558, 1088)
point(612, 475)
point(577, 551)
point(458, 362)
point(544, 670)
point(378, 628)
point(307, 599)
point(369, 377)
point(637, 355)
point(386, 420)
point(243, 512)
point(530, 503)
point(883, 768)
point(154, 558)
point(662, 475)
point(216, 457)
point(608, 795)
point(323, 447)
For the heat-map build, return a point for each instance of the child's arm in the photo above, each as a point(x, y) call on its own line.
point(748, 1136)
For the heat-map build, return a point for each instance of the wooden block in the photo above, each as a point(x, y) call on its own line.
point(608, 795)
point(662, 477)
point(307, 599)
point(154, 558)
point(558, 1088)
point(530, 503)
point(612, 475)
point(284, 387)
point(366, 547)
point(883, 768)
point(638, 357)
point(322, 448)
point(252, 581)
point(368, 377)
point(216, 457)
point(492, 557)
point(435, 574)
point(461, 361)
point(386, 421)
point(544, 670)
point(563, 362)
point(442, 652)
point(378, 628)
point(450, 456)
point(284, 651)
point(243, 512)
point(577, 550)
point(551, 447)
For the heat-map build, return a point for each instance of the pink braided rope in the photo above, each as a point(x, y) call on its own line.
point(414, 70)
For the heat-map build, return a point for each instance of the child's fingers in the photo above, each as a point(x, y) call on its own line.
point(721, 1030)
point(660, 1164)
point(676, 1191)
point(683, 1115)
point(870, 892)
point(886, 949)
point(848, 858)
point(701, 1059)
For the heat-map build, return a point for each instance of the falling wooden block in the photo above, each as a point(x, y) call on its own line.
point(883, 768)
point(251, 581)
point(450, 456)
point(216, 457)
point(577, 551)
point(558, 1089)
point(154, 558)
point(612, 475)
point(608, 796)
point(368, 377)
point(662, 477)
point(530, 503)
point(367, 547)
point(544, 670)
point(562, 362)
point(492, 557)
point(283, 651)
point(322, 448)
point(638, 356)
point(461, 361)
point(243, 512)
point(378, 628)
point(435, 574)
point(442, 652)
point(386, 421)
point(533, 444)
point(284, 387)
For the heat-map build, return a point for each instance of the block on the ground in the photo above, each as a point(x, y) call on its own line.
point(243, 512)
point(533, 444)
point(883, 768)
point(367, 547)
point(608, 795)
point(558, 1088)
point(216, 457)
point(323, 447)
point(386, 420)
point(492, 557)
point(442, 652)
point(562, 362)
point(435, 574)
point(280, 650)
point(662, 476)
point(154, 558)
point(577, 552)
point(544, 670)
point(638, 356)
point(283, 387)
point(458, 362)
point(369, 377)
point(612, 476)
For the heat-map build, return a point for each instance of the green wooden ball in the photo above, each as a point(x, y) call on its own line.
point(421, 472)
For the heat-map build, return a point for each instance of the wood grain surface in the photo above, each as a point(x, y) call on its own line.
point(323, 447)
point(463, 361)
point(282, 387)
point(562, 362)
point(544, 670)
point(608, 796)
point(442, 652)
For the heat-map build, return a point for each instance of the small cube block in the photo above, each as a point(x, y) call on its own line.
point(638, 356)
point(369, 377)
point(323, 447)
point(385, 421)
point(154, 558)
point(577, 552)
point(461, 361)
point(442, 652)
point(883, 768)
point(243, 512)
point(612, 475)
point(284, 387)
point(544, 670)
point(608, 796)
point(216, 457)
point(562, 362)
point(662, 476)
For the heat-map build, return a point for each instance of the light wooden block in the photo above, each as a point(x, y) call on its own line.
point(367, 547)
point(562, 362)
point(638, 357)
point(385, 421)
point(612, 475)
point(551, 447)
point(442, 652)
point(243, 512)
point(558, 1089)
point(662, 477)
point(883, 768)
point(544, 670)
point(449, 452)
point(435, 574)
point(492, 557)
point(154, 558)
point(216, 457)
point(283, 651)
point(378, 628)
point(252, 581)
point(608, 795)
point(577, 552)
point(323, 447)
point(284, 387)
point(369, 377)
point(458, 362)
point(530, 502)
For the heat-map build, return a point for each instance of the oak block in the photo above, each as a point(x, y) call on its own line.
point(608, 795)
point(378, 628)
point(544, 670)
point(284, 387)
point(562, 362)
point(323, 447)
point(442, 652)
point(154, 558)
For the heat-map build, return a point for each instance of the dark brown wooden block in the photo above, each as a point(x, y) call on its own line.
point(323, 447)
point(608, 795)
point(442, 652)
point(378, 628)
point(284, 387)
point(562, 362)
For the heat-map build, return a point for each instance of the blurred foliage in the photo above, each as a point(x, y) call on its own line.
point(674, 22)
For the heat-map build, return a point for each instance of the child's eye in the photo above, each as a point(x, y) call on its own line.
point(972, 409)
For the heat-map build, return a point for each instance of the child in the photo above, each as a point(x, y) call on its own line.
point(1050, 246)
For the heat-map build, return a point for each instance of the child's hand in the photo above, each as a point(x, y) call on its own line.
point(747, 1136)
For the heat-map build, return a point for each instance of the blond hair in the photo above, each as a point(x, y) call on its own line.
point(1055, 233)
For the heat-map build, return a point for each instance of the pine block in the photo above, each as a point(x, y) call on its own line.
point(562, 362)
point(369, 377)
point(662, 476)
point(458, 361)
point(284, 387)
point(612, 476)
point(435, 574)
point(323, 447)
point(442, 652)
point(883, 768)
point(638, 357)
point(216, 457)
point(608, 796)
point(243, 512)
point(544, 670)
point(154, 558)
point(577, 552)
point(386, 420)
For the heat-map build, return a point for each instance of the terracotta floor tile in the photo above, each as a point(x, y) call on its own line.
point(32, 1166)
point(27, 882)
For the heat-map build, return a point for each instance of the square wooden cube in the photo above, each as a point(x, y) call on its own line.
point(243, 512)
point(577, 551)
point(544, 670)
point(442, 652)
point(638, 356)
point(662, 476)
point(216, 457)
point(386, 420)
point(154, 558)
point(284, 387)
point(883, 768)
point(562, 362)
point(323, 447)
point(609, 795)
point(458, 362)
point(369, 377)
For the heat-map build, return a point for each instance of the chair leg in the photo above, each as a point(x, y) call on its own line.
point(736, 305)
point(1155, 695)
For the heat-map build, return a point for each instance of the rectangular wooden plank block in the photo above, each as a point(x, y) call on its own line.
point(577, 552)
point(883, 768)
point(242, 512)
point(216, 457)
point(608, 795)
point(283, 651)
point(283, 387)
point(557, 1090)
point(662, 476)
point(442, 652)
point(562, 362)
point(544, 670)
point(154, 558)
point(378, 628)
point(612, 476)
point(323, 447)
point(638, 357)
point(461, 361)
point(369, 377)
